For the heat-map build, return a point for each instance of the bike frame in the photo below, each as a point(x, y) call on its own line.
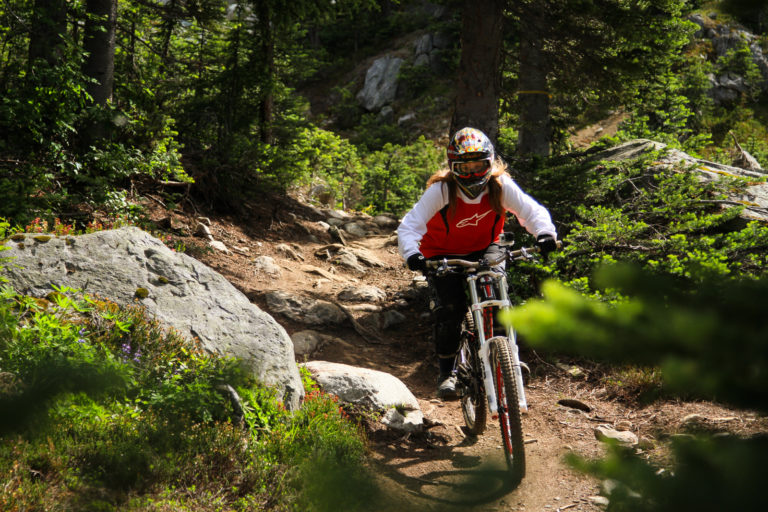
point(478, 307)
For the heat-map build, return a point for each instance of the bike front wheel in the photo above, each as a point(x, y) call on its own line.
point(473, 402)
point(510, 419)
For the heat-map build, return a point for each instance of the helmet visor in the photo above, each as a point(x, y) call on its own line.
point(471, 169)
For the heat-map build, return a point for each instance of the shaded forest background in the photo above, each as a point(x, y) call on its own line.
point(254, 96)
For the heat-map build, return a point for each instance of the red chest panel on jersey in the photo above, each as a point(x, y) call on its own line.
point(473, 227)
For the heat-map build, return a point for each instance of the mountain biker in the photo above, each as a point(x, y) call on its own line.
point(461, 214)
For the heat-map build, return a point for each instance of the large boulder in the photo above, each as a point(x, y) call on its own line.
point(380, 85)
point(375, 390)
point(371, 389)
point(181, 292)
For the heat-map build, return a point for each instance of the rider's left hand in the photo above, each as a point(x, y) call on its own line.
point(546, 244)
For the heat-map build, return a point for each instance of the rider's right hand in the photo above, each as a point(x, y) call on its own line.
point(417, 262)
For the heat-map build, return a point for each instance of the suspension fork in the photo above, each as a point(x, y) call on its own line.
point(477, 306)
point(514, 352)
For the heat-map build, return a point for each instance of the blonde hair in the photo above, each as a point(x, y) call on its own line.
point(498, 169)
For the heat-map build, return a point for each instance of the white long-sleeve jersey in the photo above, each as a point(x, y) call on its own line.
point(531, 215)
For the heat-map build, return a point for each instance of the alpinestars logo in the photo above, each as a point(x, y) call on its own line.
point(473, 220)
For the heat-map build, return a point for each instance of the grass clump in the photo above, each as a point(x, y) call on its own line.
point(103, 409)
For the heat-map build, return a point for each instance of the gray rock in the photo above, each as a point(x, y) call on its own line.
point(387, 114)
point(376, 390)
point(267, 265)
point(385, 221)
point(392, 318)
point(606, 434)
point(305, 343)
point(219, 246)
point(355, 229)
point(349, 260)
point(202, 230)
point(599, 500)
point(406, 118)
point(755, 196)
point(363, 293)
point(411, 421)
point(423, 45)
point(339, 214)
point(420, 61)
point(307, 311)
point(183, 293)
point(380, 83)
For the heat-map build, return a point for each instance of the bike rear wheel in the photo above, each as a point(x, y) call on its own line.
point(510, 419)
point(473, 402)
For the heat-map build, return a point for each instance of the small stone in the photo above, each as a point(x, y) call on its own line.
point(406, 421)
point(599, 500)
point(267, 265)
point(288, 251)
point(362, 294)
point(606, 433)
point(202, 231)
point(355, 229)
point(692, 419)
point(219, 246)
point(393, 318)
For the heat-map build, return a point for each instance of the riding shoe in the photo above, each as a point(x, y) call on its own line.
point(446, 388)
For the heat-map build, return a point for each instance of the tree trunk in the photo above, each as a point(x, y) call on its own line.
point(533, 96)
point(99, 43)
point(479, 74)
point(49, 24)
point(266, 105)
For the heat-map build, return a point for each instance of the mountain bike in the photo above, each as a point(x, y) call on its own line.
point(488, 367)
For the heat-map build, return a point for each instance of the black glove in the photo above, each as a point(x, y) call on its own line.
point(546, 244)
point(417, 262)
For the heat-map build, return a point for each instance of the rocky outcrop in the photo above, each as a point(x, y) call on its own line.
point(128, 265)
point(380, 85)
point(754, 199)
point(728, 87)
point(428, 50)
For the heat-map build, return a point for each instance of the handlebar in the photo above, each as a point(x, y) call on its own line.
point(520, 254)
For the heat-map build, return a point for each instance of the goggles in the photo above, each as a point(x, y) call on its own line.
point(471, 169)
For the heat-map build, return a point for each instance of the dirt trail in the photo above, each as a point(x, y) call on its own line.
point(441, 469)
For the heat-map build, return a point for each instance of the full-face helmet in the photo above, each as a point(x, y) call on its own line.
point(470, 156)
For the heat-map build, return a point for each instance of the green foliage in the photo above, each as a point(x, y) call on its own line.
point(601, 54)
point(344, 110)
point(374, 132)
point(708, 341)
point(728, 468)
point(663, 111)
point(664, 219)
point(394, 178)
point(103, 404)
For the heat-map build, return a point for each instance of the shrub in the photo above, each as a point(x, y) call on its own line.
point(111, 411)
point(662, 219)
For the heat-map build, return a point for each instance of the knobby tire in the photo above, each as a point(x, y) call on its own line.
point(510, 419)
point(473, 401)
